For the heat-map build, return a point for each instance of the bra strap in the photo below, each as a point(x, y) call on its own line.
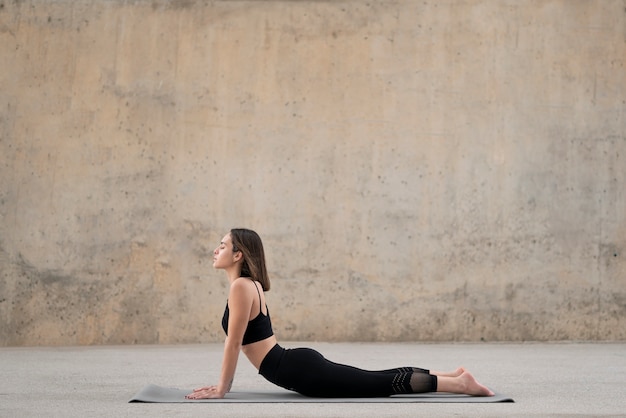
point(259, 292)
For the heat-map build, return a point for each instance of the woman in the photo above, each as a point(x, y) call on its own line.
point(248, 328)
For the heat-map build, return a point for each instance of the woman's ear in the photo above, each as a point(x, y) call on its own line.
point(237, 256)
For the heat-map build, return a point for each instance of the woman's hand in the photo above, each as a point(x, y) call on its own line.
point(207, 392)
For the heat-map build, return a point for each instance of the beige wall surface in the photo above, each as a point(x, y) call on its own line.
point(418, 171)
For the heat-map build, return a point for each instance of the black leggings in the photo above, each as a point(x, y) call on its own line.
point(307, 372)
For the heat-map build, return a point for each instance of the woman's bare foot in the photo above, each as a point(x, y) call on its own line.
point(472, 387)
point(464, 383)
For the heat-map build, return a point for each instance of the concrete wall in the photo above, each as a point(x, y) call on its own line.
point(441, 170)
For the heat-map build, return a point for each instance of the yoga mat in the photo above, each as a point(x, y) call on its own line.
point(158, 394)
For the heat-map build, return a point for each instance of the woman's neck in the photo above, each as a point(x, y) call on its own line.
point(233, 273)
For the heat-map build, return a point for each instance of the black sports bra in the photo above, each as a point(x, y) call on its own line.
point(258, 328)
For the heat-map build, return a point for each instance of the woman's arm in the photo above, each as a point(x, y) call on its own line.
point(239, 304)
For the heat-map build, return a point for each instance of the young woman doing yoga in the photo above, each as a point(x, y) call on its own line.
point(248, 328)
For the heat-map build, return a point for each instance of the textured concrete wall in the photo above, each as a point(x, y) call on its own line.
point(442, 170)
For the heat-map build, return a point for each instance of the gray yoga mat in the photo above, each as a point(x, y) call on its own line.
point(158, 394)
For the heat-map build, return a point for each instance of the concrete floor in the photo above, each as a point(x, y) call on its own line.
point(557, 379)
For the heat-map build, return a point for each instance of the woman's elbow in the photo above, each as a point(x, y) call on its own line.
point(233, 343)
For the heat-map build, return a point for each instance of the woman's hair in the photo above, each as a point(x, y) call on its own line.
point(250, 245)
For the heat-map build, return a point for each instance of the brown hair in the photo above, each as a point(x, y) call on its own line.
point(250, 245)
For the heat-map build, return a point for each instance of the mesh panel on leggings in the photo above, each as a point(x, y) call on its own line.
point(413, 380)
point(423, 382)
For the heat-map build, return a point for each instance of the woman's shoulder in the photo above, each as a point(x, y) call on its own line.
point(241, 283)
point(241, 291)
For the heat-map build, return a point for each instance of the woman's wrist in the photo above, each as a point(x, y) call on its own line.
point(225, 387)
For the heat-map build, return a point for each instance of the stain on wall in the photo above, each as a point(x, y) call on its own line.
point(419, 171)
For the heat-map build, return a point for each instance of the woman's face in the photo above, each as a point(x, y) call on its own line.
point(223, 256)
